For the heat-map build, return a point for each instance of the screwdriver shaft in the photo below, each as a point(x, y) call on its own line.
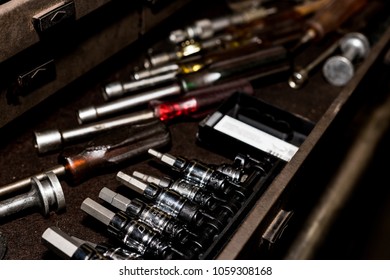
point(102, 158)
point(94, 112)
point(54, 139)
point(299, 77)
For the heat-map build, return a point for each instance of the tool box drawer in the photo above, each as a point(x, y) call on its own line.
point(34, 64)
point(280, 187)
point(22, 22)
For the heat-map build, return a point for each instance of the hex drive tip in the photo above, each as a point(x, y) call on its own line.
point(107, 195)
point(115, 199)
point(155, 153)
point(166, 158)
point(131, 182)
point(140, 175)
point(59, 242)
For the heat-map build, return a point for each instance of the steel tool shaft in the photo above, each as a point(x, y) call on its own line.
point(45, 194)
point(301, 74)
point(102, 158)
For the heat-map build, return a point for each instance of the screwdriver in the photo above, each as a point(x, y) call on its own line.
point(253, 66)
point(150, 77)
point(54, 139)
point(245, 41)
point(190, 70)
point(101, 158)
point(206, 28)
point(328, 19)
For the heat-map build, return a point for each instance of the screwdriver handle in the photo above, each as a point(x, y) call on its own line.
point(334, 14)
point(105, 158)
point(310, 7)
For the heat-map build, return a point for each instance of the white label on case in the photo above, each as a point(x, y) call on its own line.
point(256, 138)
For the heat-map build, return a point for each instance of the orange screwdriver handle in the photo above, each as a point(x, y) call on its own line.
point(103, 159)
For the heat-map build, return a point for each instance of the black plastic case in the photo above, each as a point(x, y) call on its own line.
point(269, 136)
point(245, 124)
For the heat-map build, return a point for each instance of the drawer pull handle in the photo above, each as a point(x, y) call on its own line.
point(58, 15)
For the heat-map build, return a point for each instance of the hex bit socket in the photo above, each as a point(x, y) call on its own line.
point(68, 248)
point(149, 214)
point(188, 190)
point(166, 200)
point(133, 233)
